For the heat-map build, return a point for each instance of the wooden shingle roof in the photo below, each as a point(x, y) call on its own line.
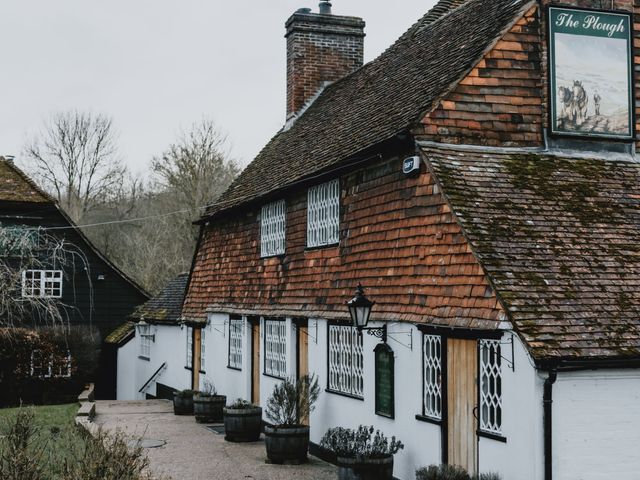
point(15, 186)
point(166, 307)
point(378, 101)
point(559, 238)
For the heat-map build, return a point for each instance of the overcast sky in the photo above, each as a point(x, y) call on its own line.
point(157, 66)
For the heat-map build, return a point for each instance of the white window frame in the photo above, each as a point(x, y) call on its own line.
point(203, 363)
point(273, 224)
point(275, 348)
point(432, 376)
point(189, 359)
point(323, 214)
point(346, 361)
point(42, 284)
point(490, 386)
point(146, 337)
point(236, 329)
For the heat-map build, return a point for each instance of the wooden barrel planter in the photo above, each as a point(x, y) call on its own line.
point(365, 468)
point(287, 444)
point(182, 405)
point(208, 409)
point(242, 424)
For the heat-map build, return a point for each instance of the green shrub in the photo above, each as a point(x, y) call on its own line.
point(20, 453)
point(451, 472)
point(185, 393)
point(291, 401)
point(240, 404)
point(346, 442)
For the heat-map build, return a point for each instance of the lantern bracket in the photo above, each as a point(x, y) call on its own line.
point(378, 332)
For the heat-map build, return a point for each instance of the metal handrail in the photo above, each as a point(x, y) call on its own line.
point(155, 374)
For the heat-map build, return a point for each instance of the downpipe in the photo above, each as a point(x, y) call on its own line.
point(547, 402)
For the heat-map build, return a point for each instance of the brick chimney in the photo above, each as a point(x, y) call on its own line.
point(321, 48)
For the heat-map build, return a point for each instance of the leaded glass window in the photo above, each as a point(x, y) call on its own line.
point(272, 227)
point(323, 214)
point(346, 360)
point(235, 343)
point(275, 348)
point(490, 386)
point(189, 359)
point(432, 381)
point(145, 340)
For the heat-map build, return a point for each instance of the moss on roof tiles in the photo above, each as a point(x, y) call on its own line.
point(15, 186)
point(166, 307)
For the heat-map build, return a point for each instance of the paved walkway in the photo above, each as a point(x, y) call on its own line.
point(192, 452)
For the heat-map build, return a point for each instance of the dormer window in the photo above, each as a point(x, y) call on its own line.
point(323, 214)
point(272, 229)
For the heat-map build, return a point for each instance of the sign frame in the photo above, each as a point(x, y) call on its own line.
point(384, 349)
point(553, 83)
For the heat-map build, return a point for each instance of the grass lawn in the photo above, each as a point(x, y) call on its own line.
point(57, 438)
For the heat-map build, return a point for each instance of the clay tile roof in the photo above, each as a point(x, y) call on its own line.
point(379, 100)
point(15, 186)
point(165, 307)
point(560, 240)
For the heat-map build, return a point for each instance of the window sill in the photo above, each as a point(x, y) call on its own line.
point(320, 247)
point(492, 436)
point(189, 368)
point(277, 255)
point(272, 376)
point(424, 418)
point(234, 368)
point(202, 372)
point(146, 359)
point(342, 394)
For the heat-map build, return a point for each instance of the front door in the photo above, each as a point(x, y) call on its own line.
point(462, 359)
point(255, 362)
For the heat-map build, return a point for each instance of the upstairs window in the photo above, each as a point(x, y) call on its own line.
point(346, 361)
point(490, 387)
point(235, 343)
point(275, 348)
point(432, 381)
point(42, 283)
point(272, 227)
point(323, 214)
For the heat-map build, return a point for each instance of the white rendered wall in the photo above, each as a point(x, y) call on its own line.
point(421, 439)
point(521, 457)
point(596, 425)
point(127, 358)
point(170, 346)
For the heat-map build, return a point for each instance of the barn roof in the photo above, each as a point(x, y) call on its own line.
point(559, 238)
point(166, 307)
point(378, 101)
point(16, 186)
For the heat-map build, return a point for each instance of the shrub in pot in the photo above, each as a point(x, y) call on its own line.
point(183, 402)
point(451, 472)
point(242, 421)
point(286, 439)
point(361, 454)
point(208, 405)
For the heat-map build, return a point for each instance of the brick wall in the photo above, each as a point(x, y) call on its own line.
point(398, 238)
point(320, 48)
point(500, 102)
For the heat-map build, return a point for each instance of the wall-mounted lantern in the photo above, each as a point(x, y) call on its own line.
point(360, 310)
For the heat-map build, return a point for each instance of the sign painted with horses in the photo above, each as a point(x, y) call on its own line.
point(591, 79)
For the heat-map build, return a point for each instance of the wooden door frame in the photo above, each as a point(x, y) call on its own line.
point(299, 324)
point(253, 322)
point(195, 357)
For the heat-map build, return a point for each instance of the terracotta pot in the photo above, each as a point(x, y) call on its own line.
point(208, 409)
point(182, 405)
point(242, 424)
point(365, 468)
point(287, 444)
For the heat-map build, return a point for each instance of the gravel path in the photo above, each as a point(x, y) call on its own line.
point(192, 452)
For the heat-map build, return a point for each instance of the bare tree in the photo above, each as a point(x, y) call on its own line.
point(75, 158)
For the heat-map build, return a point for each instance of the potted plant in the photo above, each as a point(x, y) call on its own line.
point(360, 453)
point(183, 402)
point(208, 405)
point(286, 439)
point(451, 472)
point(242, 421)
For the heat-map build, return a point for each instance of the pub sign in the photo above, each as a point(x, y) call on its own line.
point(591, 73)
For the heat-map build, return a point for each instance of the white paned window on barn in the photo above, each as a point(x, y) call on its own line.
point(235, 343)
point(346, 360)
point(272, 229)
point(432, 381)
point(323, 214)
point(42, 283)
point(490, 387)
point(275, 348)
point(189, 359)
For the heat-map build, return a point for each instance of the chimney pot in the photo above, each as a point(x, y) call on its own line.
point(325, 8)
